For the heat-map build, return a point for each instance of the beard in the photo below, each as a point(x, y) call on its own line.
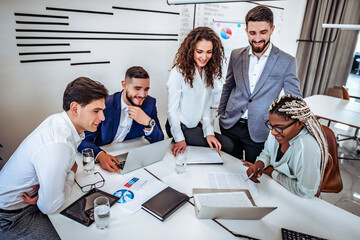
point(129, 98)
point(259, 49)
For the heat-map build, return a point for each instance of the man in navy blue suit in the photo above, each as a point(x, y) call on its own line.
point(129, 114)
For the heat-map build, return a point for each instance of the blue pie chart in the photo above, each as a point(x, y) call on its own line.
point(225, 33)
point(124, 195)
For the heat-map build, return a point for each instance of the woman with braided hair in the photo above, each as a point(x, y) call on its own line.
point(296, 152)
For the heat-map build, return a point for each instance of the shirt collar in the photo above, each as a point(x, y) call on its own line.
point(302, 132)
point(76, 136)
point(266, 53)
point(198, 73)
point(124, 106)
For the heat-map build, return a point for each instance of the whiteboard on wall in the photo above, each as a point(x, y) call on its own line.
point(228, 22)
point(231, 34)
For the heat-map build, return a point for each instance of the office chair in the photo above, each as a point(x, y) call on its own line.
point(335, 92)
point(345, 92)
point(332, 182)
point(346, 96)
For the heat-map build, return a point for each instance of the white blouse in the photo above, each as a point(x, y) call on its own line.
point(188, 105)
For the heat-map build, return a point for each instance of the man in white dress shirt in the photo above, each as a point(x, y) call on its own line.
point(37, 178)
point(256, 75)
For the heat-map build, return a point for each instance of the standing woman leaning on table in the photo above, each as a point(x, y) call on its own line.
point(197, 63)
point(296, 152)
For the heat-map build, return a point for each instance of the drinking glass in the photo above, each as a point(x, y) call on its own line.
point(88, 159)
point(102, 212)
point(180, 162)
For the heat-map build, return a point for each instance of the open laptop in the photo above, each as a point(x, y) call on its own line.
point(142, 156)
point(241, 213)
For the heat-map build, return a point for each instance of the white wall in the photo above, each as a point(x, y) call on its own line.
point(29, 92)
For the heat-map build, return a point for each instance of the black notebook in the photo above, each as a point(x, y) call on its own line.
point(163, 204)
point(82, 210)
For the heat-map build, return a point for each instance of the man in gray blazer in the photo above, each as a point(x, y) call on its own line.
point(255, 77)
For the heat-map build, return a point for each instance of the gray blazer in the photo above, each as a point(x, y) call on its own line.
point(279, 72)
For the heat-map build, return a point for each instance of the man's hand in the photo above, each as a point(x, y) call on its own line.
point(139, 115)
point(213, 142)
point(254, 169)
point(108, 162)
point(178, 147)
point(31, 200)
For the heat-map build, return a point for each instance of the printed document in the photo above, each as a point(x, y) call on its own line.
point(228, 199)
point(135, 190)
point(231, 181)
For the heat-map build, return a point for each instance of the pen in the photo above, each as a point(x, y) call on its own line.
point(251, 175)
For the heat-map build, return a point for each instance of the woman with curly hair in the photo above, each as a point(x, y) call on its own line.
point(197, 63)
point(296, 151)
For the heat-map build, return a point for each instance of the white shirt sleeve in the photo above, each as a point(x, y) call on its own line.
point(208, 128)
point(174, 87)
point(53, 163)
point(147, 133)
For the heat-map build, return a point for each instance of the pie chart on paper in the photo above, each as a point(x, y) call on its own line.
point(124, 195)
point(225, 33)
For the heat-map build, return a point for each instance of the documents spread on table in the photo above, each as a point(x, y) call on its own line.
point(84, 178)
point(227, 199)
point(202, 155)
point(231, 181)
point(137, 189)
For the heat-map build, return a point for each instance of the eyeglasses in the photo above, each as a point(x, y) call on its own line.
point(97, 184)
point(278, 129)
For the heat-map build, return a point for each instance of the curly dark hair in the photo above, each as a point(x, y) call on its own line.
point(184, 58)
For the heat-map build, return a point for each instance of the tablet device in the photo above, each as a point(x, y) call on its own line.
point(82, 210)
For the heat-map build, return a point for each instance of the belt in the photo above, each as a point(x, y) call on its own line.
point(11, 211)
point(243, 121)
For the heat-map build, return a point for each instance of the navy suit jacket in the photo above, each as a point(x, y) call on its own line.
point(279, 73)
point(107, 129)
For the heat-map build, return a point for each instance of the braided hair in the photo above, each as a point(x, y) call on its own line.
point(293, 107)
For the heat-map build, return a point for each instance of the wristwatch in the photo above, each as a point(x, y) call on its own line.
point(151, 124)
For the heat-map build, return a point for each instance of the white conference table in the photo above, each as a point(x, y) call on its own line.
point(335, 109)
point(313, 216)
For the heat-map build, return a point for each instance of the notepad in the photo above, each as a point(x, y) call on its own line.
point(165, 203)
point(202, 155)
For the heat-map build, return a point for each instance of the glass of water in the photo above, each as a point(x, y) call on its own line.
point(88, 159)
point(180, 163)
point(102, 212)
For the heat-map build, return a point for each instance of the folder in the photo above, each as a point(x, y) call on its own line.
point(243, 213)
point(166, 202)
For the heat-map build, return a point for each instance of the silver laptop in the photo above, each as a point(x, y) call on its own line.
point(242, 213)
point(142, 156)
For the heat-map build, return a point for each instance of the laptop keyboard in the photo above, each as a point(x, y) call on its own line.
point(120, 165)
point(288, 234)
